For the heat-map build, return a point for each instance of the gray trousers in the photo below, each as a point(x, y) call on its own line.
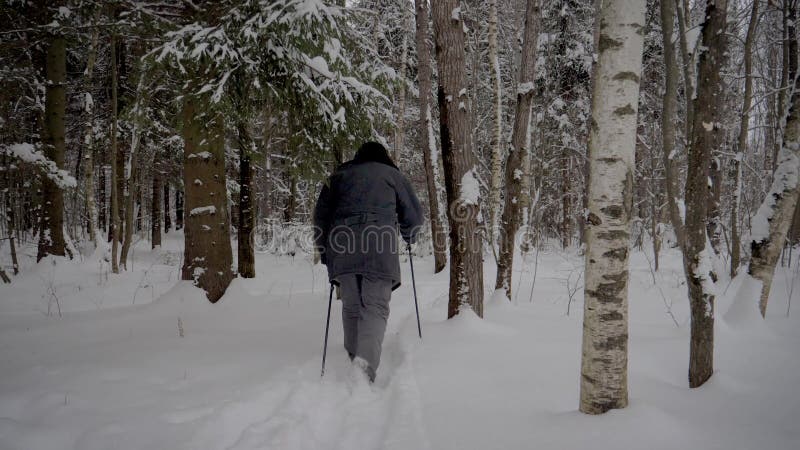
point(365, 309)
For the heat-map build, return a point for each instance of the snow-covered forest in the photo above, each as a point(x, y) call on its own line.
point(608, 257)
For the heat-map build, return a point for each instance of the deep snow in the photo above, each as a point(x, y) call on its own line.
point(114, 372)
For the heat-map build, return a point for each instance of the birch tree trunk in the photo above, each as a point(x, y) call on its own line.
point(707, 138)
point(775, 214)
point(497, 125)
point(460, 168)
point(669, 118)
point(612, 143)
point(427, 140)
point(51, 238)
point(741, 149)
point(517, 191)
point(207, 251)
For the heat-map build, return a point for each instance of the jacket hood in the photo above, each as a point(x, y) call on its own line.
point(373, 152)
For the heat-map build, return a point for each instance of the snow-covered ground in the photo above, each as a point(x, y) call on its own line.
point(142, 360)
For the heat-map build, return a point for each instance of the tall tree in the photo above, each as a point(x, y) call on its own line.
point(114, 228)
point(517, 176)
point(775, 214)
point(496, 177)
point(460, 169)
point(51, 238)
point(155, 210)
point(426, 139)
point(707, 137)
point(612, 141)
point(744, 127)
point(207, 246)
point(88, 109)
point(246, 223)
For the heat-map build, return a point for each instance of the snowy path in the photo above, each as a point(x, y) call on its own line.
point(115, 372)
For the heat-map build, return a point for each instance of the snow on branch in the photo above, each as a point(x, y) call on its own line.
point(30, 154)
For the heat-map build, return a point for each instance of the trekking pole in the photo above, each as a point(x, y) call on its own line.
point(327, 326)
point(414, 285)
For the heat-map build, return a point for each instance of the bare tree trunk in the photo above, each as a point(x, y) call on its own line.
point(517, 176)
point(612, 144)
point(114, 228)
point(497, 128)
point(669, 118)
point(207, 250)
point(129, 207)
point(775, 214)
point(787, 75)
point(167, 217)
point(688, 66)
point(178, 209)
point(51, 229)
point(460, 168)
point(566, 201)
point(714, 221)
point(245, 245)
point(741, 149)
point(11, 226)
point(102, 219)
point(155, 210)
point(426, 138)
point(88, 185)
point(706, 139)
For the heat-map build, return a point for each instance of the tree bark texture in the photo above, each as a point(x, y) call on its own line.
point(669, 130)
point(741, 149)
point(707, 138)
point(114, 229)
point(51, 227)
point(612, 143)
point(460, 168)
point(497, 123)
point(155, 210)
point(246, 220)
point(776, 212)
point(207, 250)
point(427, 140)
point(517, 176)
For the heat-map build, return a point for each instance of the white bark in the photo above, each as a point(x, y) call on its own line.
point(615, 98)
point(774, 216)
point(497, 131)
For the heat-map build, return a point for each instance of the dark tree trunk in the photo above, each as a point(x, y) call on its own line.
point(178, 209)
point(102, 201)
point(707, 137)
point(466, 262)
point(245, 228)
point(51, 238)
point(155, 211)
point(167, 218)
point(207, 245)
point(517, 175)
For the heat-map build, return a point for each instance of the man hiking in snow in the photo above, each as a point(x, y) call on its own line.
point(356, 218)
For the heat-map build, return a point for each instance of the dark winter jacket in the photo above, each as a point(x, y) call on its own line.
point(357, 218)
